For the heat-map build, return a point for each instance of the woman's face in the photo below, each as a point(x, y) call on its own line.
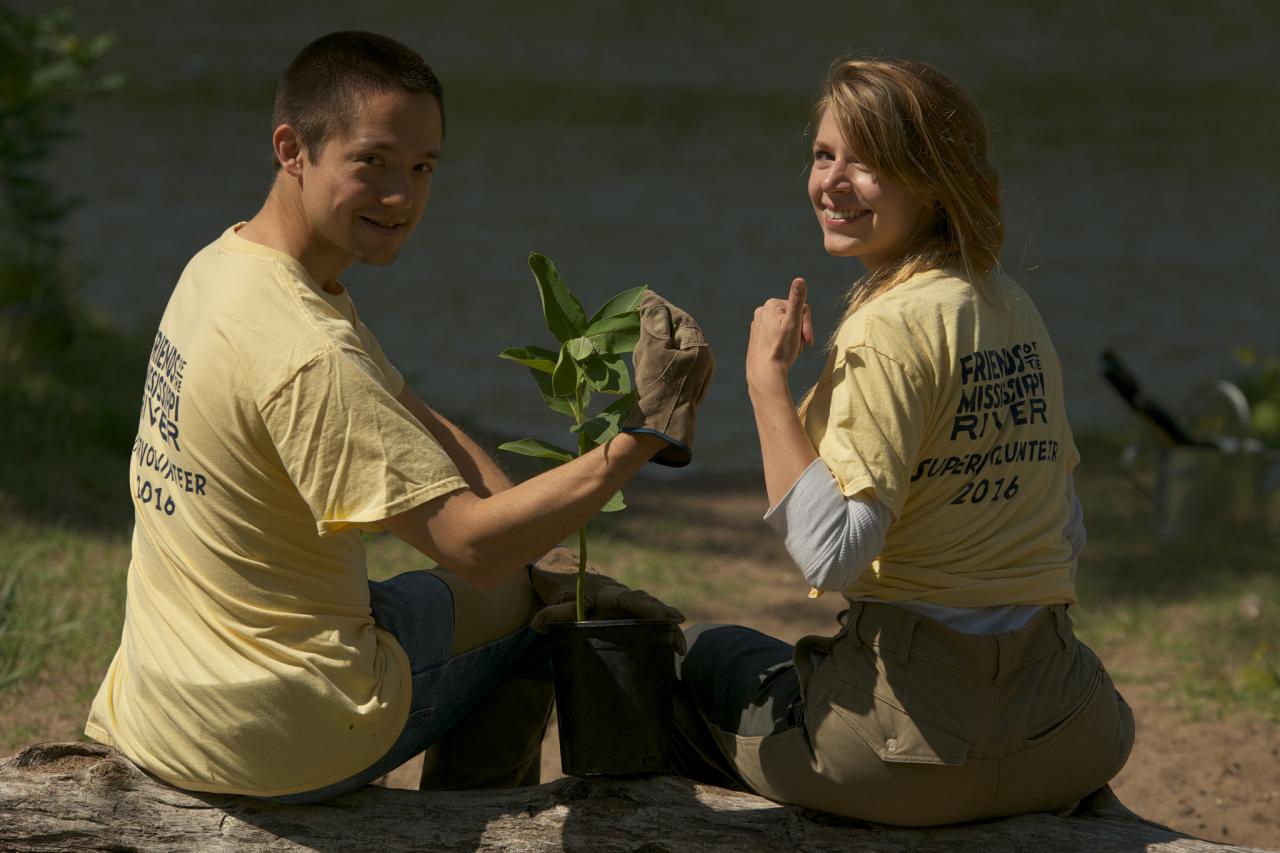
point(861, 214)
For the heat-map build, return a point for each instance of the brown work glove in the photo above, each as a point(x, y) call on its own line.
point(673, 367)
point(555, 579)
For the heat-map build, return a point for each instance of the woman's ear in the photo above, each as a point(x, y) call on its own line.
point(934, 211)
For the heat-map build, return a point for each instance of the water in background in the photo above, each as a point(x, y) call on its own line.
point(662, 143)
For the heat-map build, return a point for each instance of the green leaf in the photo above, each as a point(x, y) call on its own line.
point(598, 429)
point(622, 406)
point(536, 448)
point(608, 373)
point(615, 335)
point(597, 373)
point(615, 503)
point(580, 349)
point(560, 308)
point(536, 358)
point(624, 302)
point(620, 382)
point(554, 403)
point(604, 425)
point(564, 379)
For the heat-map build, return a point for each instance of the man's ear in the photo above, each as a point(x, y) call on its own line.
point(288, 150)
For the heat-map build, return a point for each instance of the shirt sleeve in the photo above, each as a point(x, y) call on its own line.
point(354, 453)
point(831, 538)
point(1074, 532)
point(395, 381)
point(875, 426)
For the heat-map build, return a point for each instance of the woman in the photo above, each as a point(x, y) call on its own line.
point(927, 476)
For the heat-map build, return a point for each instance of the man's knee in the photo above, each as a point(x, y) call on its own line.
point(481, 616)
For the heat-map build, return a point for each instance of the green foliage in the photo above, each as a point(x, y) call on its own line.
point(588, 361)
point(69, 419)
point(68, 383)
point(537, 449)
point(1260, 382)
point(44, 68)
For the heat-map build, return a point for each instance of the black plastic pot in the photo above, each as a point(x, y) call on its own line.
point(614, 682)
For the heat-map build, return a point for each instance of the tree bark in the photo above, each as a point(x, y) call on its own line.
point(80, 796)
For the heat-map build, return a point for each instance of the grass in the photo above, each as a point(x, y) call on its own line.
point(1199, 616)
point(70, 392)
point(61, 609)
point(1205, 605)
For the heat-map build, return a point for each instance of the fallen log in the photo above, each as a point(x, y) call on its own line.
point(81, 796)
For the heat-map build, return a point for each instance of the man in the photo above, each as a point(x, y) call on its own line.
point(256, 658)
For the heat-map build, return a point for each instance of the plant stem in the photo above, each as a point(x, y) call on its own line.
point(582, 550)
point(582, 572)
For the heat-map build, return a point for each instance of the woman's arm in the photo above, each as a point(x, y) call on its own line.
point(780, 329)
point(830, 537)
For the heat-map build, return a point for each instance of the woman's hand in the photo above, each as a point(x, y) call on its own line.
point(781, 328)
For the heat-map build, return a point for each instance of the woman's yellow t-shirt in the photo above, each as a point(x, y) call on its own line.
point(946, 404)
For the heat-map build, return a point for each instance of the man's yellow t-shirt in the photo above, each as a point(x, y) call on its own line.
point(269, 434)
point(946, 404)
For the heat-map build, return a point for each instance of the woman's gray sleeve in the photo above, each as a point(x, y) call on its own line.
point(832, 538)
point(1074, 532)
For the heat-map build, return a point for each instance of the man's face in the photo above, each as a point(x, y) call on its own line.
point(367, 188)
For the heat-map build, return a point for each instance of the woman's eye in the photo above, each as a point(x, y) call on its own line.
point(822, 155)
point(425, 167)
point(368, 160)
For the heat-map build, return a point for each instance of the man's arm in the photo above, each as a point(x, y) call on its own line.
point(485, 539)
point(476, 467)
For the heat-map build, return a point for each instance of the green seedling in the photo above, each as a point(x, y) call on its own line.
point(589, 360)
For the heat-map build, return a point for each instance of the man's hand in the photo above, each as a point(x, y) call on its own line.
point(673, 366)
point(555, 577)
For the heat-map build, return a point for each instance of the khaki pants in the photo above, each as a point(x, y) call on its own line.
point(899, 719)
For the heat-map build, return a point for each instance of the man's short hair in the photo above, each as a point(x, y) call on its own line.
point(320, 90)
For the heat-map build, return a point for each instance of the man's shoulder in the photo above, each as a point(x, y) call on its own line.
point(223, 274)
point(254, 311)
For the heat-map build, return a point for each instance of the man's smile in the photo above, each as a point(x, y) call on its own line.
point(388, 225)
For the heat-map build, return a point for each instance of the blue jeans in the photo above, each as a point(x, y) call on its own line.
point(417, 609)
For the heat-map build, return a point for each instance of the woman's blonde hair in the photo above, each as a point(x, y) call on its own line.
point(910, 123)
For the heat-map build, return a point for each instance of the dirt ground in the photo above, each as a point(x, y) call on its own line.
point(1214, 779)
